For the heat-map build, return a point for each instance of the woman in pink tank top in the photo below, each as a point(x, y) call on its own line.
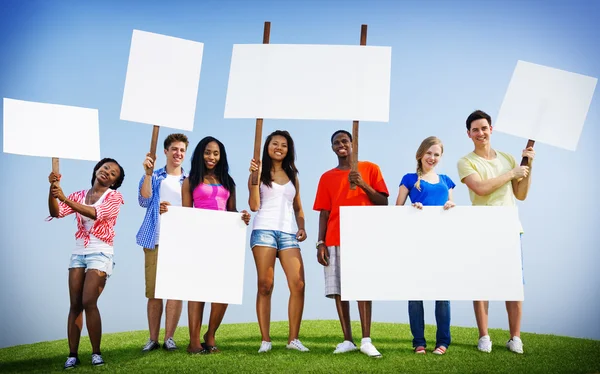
point(208, 186)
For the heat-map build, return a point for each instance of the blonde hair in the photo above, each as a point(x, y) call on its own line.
point(425, 145)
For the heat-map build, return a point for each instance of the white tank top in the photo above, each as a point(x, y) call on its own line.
point(276, 208)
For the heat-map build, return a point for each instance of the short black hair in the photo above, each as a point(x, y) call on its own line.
point(341, 132)
point(119, 180)
point(478, 114)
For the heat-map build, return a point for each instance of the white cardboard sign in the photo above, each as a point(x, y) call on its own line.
point(201, 256)
point(50, 130)
point(545, 104)
point(402, 253)
point(161, 86)
point(317, 82)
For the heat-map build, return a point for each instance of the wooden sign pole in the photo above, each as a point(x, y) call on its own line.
point(154, 141)
point(56, 168)
point(525, 160)
point(354, 163)
point(259, 121)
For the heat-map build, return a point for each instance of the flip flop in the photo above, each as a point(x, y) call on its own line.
point(208, 349)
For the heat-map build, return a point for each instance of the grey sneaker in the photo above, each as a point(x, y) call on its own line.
point(170, 345)
point(97, 360)
point(150, 346)
point(71, 362)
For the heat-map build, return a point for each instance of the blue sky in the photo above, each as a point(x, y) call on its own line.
point(448, 58)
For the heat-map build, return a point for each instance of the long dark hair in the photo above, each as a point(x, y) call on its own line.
point(198, 170)
point(119, 180)
point(288, 162)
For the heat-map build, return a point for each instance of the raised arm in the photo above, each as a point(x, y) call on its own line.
point(521, 186)
point(377, 198)
point(254, 190)
point(53, 207)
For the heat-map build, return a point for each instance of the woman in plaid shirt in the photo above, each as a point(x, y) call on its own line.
point(91, 262)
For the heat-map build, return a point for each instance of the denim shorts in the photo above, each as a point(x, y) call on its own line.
point(99, 261)
point(274, 239)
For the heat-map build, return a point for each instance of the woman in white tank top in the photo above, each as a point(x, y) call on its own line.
point(276, 231)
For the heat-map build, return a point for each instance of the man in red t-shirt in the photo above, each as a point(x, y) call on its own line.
point(334, 191)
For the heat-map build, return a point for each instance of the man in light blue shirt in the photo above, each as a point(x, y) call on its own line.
point(157, 190)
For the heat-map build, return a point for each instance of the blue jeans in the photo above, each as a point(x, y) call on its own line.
point(417, 323)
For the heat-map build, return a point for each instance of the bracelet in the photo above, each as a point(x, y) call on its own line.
point(319, 243)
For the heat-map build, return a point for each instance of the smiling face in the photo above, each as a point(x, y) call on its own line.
point(278, 148)
point(175, 154)
point(107, 174)
point(431, 158)
point(480, 132)
point(342, 145)
point(212, 155)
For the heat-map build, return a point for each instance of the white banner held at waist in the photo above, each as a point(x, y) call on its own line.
point(201, 256)
point(402, 253)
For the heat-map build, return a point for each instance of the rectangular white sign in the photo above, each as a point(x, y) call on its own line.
point(545, 104)
point(317, 82)
point(161, 86)
point(402, 253)
point(50, 130)
point(201, 256)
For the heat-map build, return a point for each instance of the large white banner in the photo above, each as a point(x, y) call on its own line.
point(201, 256)
point(545, 104)
point(161, 86)
point(402, 253)
point(322, 82)
point(50, 130)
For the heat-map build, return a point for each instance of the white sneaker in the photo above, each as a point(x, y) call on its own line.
point(345, 346)
point(97, 360)
point(485, 344)
point(297, 345)
point(515, 345)
point(368, 348)
point(265, 347)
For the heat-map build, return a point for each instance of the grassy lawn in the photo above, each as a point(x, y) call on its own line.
point(239, 344)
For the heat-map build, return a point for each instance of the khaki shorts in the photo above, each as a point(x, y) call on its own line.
point(150, 260)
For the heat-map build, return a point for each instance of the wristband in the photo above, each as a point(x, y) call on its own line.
point(319, 243)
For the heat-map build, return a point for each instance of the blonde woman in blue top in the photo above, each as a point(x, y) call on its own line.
point(427, 188)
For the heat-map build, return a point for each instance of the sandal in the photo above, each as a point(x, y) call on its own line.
point(420, 350)
point(195, 351)
point(208, 349)
point(440, 350)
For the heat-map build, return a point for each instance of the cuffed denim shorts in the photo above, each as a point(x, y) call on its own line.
point(99, 261)
point(274, 239)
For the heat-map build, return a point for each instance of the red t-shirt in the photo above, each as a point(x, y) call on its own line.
point(334, 191)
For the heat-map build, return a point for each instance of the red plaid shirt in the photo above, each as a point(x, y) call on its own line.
point(106, 216)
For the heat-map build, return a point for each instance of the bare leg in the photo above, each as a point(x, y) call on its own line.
point(155, 308)
point(343, 309)
point(291, 261)
point(515, 311)
point(481, 316)
point(364, 310)
point(264, 258)
point(217, 312)
point(195, 311)
point(75, 319)
point(93, 286)
point(172, 314)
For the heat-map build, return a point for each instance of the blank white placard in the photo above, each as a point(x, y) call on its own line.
point(50, 130)
point(545, 104)
point(161, 86)
point(402, 253)
point(326, 82)
point(201, 256)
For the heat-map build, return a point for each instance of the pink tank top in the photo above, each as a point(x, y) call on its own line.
point(210, 196)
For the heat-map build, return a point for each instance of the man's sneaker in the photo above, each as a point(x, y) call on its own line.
point(368, 348)
point(297, 345)
point(485, 344)
point(97, 360)
point(170, 345)
point(345, 346)
point(515, 345)
point(71, 362)
point(265, 347)
point(150, 346)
